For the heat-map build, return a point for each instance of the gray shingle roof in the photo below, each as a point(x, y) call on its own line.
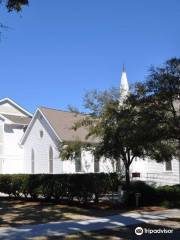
point(62, 123)
point(18, 119)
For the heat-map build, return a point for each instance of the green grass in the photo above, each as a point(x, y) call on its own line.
point(18, 212)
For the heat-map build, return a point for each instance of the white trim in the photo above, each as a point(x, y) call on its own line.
point(16, 105)
point(23, 139)
point(28, 128)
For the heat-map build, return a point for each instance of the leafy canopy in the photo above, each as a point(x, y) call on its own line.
point(158, 99)
point(14, 5)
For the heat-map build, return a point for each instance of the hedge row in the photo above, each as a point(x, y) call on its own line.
point(168, 196)
point(82, 187)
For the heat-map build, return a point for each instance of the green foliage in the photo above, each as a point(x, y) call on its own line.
point(117, 129)
point(122, 130)
point(95, 101)
point(5, 184)
point(31, 185)
point(70, 150)
point(15, 5)
point(169, 196)
point(85, 188)
point(12, 5)
point(158, 100)
point(81, 187)
point(148, 194)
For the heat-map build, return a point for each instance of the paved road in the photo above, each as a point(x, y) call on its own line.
point(66, 227)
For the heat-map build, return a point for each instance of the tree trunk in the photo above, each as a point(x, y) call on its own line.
point(127, 174)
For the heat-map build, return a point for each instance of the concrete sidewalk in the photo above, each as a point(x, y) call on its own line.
point(67, 227)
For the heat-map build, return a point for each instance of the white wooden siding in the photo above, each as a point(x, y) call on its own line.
point(12, 157)
point(7, 108)
point(41, 151)
point(153, 172)
point(41, 148)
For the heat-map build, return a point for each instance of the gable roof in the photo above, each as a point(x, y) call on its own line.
point(61, 123)
point(18, 107)
point(17, 119)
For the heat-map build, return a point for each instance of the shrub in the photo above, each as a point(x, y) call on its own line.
point(148, 194)
point(169, 196)
point(5, 184)
point(32, 185)
point(46, 185)
point(16, 185)
point(82, 187)
point(60, 187)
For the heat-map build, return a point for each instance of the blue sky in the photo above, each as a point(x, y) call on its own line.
point(54, 51)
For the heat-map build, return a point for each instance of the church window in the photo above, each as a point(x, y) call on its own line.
point(168, 166)
point(96, 165)
point(50, 160)
point(41, 133)
point(78, 162)
point(32, 161)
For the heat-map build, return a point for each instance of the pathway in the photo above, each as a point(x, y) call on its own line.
point(66, 227)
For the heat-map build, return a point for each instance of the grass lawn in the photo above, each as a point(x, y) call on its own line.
point(18, 212)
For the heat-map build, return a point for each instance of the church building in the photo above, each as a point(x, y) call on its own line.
point(30, 144)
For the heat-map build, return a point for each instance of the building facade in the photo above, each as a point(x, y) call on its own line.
point(48, 128)
point(13, 123)
point(30, 144)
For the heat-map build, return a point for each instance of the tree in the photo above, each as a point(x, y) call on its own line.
point(117, 128)
point(158, 99)
point(14, 5)
point(145, 125)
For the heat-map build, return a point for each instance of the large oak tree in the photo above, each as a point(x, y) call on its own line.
point(117, 127)
point(159, 101)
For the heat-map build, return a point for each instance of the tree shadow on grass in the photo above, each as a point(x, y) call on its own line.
point(18, 212)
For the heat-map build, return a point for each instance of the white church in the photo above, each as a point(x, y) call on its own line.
point(29, 144)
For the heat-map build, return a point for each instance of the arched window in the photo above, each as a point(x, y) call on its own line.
point(96, 165)
point(168, 166)
point(50, 160)
point(78, 162)
point(32, 161)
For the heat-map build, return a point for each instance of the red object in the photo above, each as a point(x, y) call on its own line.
point(135, 174)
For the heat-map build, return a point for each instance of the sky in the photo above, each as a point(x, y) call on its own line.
point(55, 51)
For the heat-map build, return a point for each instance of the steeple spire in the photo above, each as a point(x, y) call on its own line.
point(124, 86)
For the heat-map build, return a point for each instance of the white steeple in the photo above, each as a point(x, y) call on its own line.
point(124, 86)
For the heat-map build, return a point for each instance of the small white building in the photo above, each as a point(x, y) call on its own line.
point(41, 141)
point(13, 122)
